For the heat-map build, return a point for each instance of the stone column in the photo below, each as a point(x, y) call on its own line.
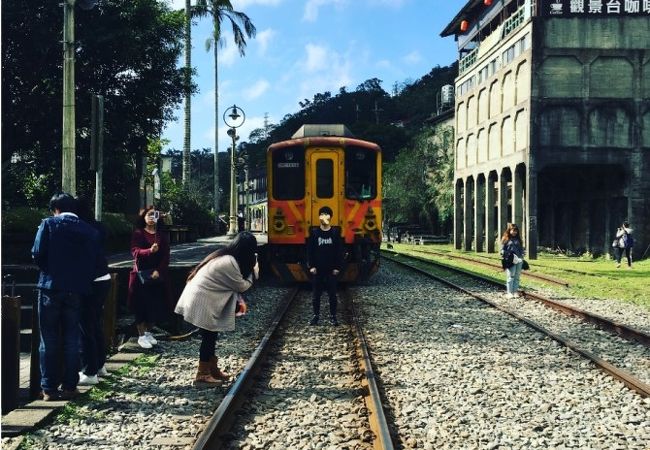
point(518, 200)
point(479, 213)
point(468, 215)
point(503, 202)
point(532, 234)
point(491, 219)
point(458, 213)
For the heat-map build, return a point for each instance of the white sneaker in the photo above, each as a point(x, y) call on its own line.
point(510, 296)
point(87, 380)
point(102, 372)
point(144, 342)
point(152, 340)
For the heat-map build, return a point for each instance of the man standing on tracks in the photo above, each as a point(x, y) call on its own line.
point(324, 259)
point(65, 250)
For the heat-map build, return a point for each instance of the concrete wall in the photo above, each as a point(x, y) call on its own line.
point(591, 115)
point(492, 142)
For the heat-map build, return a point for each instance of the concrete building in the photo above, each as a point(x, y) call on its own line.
point(552, 122)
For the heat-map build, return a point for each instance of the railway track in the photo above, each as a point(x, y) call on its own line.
point(639, 363)
point(497, 267)
point(451, 372)
point(606, 324)
point(307, 372)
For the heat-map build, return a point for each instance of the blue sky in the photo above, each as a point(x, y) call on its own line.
point(311, 46)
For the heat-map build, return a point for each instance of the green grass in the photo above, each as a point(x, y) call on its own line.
point(588, 277)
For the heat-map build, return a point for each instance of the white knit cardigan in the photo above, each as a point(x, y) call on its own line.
point(210, 298)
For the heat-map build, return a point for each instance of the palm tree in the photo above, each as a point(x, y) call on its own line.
point(219, 11)
point(188, 92)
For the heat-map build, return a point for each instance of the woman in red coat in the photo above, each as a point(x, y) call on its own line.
point(150, 250)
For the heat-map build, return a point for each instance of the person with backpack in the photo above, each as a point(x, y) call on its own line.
point(512, 259)
point(623, 244)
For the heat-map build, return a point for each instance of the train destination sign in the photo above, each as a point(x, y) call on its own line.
point(595, 8)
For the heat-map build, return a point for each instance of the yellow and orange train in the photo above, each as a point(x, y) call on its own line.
point(324, 165)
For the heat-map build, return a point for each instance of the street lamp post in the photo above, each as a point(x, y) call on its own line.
point(244, 164)
point(237, 119)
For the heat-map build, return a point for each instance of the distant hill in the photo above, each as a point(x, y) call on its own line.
point(389, 119)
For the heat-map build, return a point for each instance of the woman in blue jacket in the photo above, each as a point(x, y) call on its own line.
point(512, 252)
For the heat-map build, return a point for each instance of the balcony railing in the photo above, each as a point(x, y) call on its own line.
point(468, 61)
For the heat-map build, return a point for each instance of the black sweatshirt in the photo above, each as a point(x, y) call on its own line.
point(325, 250)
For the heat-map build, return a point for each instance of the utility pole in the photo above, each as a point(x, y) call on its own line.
point(266, 125)
point(68, 172)
point(97, 151)
point(377, 110)
point(68, 160)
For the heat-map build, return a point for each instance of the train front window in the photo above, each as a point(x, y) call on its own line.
point(324, 178)
point(289, 173)
point(360, 173)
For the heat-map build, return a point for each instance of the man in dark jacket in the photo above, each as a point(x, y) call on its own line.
point(324, 260)
point(65, 250)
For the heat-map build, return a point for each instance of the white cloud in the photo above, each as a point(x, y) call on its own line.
point(228, 53)
point(312, 7)
point(383, 64)
point(395, 4)
point(256, 90)
point(324, 70)
point(264, 38)
point(207, 98)
point(317, 58)
point(239, 5)
point(412, 58)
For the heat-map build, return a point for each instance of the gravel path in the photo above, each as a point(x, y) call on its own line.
point(458, 374)
point(309, 397)
point(146, 409)
point(630, 356)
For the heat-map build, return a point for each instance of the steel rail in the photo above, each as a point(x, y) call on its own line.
point(376, 416)
point(622, 330)
point(496, 266)
point(224, 416)
point(628, 379)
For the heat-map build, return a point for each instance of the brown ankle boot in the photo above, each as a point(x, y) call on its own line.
point(216, 372)
point(203, 377)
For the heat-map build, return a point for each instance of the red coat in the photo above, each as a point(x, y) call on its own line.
point(144, 258)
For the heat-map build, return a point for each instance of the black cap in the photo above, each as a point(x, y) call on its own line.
point(325, 210)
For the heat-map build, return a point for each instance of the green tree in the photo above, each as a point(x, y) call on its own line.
point(127, 51)
point(220, 11)
point(418, 185)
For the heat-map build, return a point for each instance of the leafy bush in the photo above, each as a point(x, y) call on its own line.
point(117, 225)
point(26, 220)
point(186, 205)
point(23, 219)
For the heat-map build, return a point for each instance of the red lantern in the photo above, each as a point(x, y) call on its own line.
point(487, 2)
point(464, 25)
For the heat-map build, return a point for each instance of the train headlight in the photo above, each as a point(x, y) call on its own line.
point(278, 225)
point(370, 222)
point(279, 222)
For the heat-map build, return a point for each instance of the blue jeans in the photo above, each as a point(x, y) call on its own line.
point(93, 348)
point(58, 318)
point(512, 278)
